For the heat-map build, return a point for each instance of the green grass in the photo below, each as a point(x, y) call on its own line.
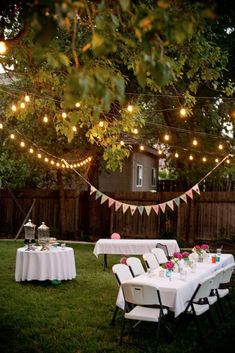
point(74, 317)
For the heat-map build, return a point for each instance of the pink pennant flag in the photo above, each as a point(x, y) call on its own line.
point(184, 198)
point(125, 207)
point(148, 209)
point(92, 190)
point(103, 198)
point(117, 205)
point(190, 193)
point(170, 204)
point(196, 189)
point(163, 206)
point(110, 201)
point(156, 208)
point(132, 208)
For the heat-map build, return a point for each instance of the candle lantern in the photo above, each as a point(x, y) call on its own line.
point(29, 229)
point(43, 236)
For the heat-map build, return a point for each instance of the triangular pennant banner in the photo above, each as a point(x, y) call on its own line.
point(117, 205)
point(98, 194)
point(148, 209)
point(103, 198)
point(184, 198)
point(133, 208)
point(170, 204)
point(177, 201)
point(92, 189)
point(141, 209)
point(155, 208)
point(110, 202)
point(163, 206)
point(196, 189)
point(125, 207)
point(190, 193)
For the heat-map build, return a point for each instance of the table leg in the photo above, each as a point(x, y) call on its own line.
point(105, 261)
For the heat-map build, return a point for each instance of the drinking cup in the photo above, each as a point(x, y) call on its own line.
point(213, 259)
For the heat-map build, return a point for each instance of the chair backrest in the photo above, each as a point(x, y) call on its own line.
point(135, 265)
point(150, 260)
point(228, 271)
point(218, 275)
point(204, 288)
point(160, 255)
point(164, 248)
point(122, 273)
point(141, 294)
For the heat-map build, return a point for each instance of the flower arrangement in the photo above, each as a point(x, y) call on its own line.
point(185, 255)
point(201, 250)
point(169, 265)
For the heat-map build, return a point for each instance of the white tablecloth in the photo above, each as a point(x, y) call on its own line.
point(176, 292)
point(132, 246)
point(56, 263)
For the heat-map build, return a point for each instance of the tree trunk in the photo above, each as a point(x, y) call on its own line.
point(60, 183)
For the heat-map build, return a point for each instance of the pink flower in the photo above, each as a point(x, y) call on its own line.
point(185, 254)
point(115, 236)
point(177, 255)
point(204, 247)
point(169, 265)
point(197, 247)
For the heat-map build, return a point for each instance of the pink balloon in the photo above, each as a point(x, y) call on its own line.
point(115, 236)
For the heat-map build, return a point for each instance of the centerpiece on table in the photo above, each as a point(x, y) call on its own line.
point(169, 266)
point(202, 251)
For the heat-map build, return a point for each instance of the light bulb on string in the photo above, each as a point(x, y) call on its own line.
point(1, 126)
point(13, 108)
point(195, 143)
point(101, 124)
point(74, 129)
point(31, 150)
point(22, 105)
point(27, 98)
point(204, 159)
point(64, 115)
point(141, 148)
point(77, 104)
point(220, 147)
point(130, 108)
point(183, 112)
point(12, 136)
point(58, 164)
point(160, 152)
point(176, 155)
point(39, 155)
point(122, 143)
point(45, 119)
point(228, 161)
point(135, 131)
point(46, 159)
point(216, 160)
point(22, 144)
point(3, 47)
point(190, 157)
point(52, 162)
point(166, 137)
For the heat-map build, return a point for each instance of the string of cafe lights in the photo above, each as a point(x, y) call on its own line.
point(26, 99)
point(42, 155)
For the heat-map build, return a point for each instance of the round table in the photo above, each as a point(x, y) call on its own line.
point(54, 264)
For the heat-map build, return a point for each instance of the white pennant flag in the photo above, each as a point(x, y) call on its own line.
point(148, 209)
point(125, 207)
point(117, 205)
point(92, 190)
point(196, 189)
point(170, 204)
point(184, 198)
point(132, 208)
point(103, 198)
point(163, 206)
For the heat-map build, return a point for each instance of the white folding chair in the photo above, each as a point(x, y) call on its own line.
point(160, 255)
point(199, 304)
point(164, 248)
point(150, 260)
point(146, 306)
point(135, 265)
point(122, 273)
point(223, 290)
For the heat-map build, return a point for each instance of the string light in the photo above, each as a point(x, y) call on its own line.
point(183, 112)
point(22, 144)
point(135, 131)
point(64, 115)
point(220, 146)
point(12, 136)
point(216, 160)
point(122, 143)
point(22, 105)
point(204, 159)
point(141, 147)
point(160, 152)
point(190, 157)
point(101, 124)
point(1, 126)
point(13, 108)
point(27, 98)
point(39, 155)
point(31, 150)
point(77, 104)
point(74, 129)
point(45, 119)
point(130, 108)
point(195, 143)
point(167, 137)
point(3, 47)
point(46, 159)
point(227, 161)
point(176, 155)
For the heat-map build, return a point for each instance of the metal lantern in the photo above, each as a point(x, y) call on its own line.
point(43, 236)
point(29, 229)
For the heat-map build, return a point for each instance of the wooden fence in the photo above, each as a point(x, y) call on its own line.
point(209, 216)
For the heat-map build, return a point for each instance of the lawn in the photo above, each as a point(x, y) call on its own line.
point(74, 317)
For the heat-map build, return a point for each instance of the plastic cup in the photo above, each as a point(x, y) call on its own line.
point(213, 259)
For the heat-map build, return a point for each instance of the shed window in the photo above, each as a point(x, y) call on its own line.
point(139, 175)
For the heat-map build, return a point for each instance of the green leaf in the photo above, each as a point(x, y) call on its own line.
point(125, 4)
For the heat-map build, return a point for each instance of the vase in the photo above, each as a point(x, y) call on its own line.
point(169, 273)
point(200, 258)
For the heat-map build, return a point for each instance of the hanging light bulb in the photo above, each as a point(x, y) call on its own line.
point(135, 131)
point(77, 104)
point(101, 124)
point(204, 159)
point(22, 144)
point(27, 98)
point(22, 105)
point(176, 155)
point(3, 47)
point(64, 115)
point(220, 146)
point(1, 126)
point(39, 155)
point(12, 136)
point(216, 160)
point(141, 147)
point(227, 161)
point(183, 112)
point(45, 119)
point(195, 143)
point(160, 152)
point(190, 157)
point(74, 129)
point(31, 150)
point(13, 108)
point(122, 143)
point(130, 108)
point(46, 159)
point(167, 137)
point(52, 162)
